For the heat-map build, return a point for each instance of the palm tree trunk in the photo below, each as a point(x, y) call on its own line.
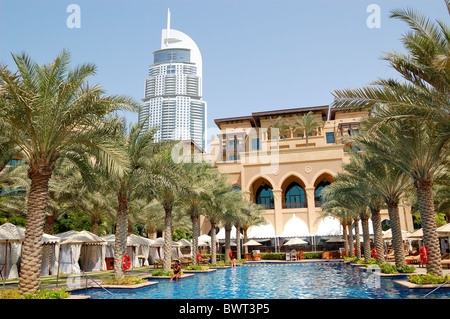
point(238, 242)
point(213, 244)
point(168, 239)
point(245, 240)
point(120, 244)
point(95, 223)
point(195, 233)
point(32, 247)
point(227, 242)
point(428, 218)
point(377, 234)
point(358, 239)
point(351, 245)
point(397, 239)
point(366, 238)
point(50, 224)
point(344, 234)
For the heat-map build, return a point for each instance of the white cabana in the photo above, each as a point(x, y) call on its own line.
point(221, 234)
point(159, 244)
point(295, 227)
point(184, 243)
point(205, 238)
point(329, 226)
point(136, 246)
point(265, 230)
point(11, 239)
point(84, 246)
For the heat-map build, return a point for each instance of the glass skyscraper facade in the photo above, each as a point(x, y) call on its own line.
point(173, 90)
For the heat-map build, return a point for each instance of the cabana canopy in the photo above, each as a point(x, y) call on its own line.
point(417, 234)
point(159, 242)
point(13, 236)
point(444, 230)
point(184, 243)
point(83, 237)
point(12, 233)
point(388, 234)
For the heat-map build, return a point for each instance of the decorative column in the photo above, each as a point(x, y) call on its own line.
point(311, 206)
point(278, 206)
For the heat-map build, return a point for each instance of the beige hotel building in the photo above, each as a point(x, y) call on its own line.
point(282, 173)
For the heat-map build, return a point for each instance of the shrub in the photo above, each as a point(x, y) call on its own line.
point(124, 281)
point(273, 256)
point(406, 269)
point(39, 294)
point(427, 279)
point(162, 273)
point(194, 267)
point(312, 255)
point(351, 259)
point(387, 268)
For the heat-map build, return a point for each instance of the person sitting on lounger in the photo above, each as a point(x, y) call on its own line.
point(176, 271)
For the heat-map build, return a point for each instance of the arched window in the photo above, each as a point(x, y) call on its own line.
point(264, 196)
point(317, 193)
point(295, 196)
point(236, 188)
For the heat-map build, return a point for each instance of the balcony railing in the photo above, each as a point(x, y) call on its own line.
point(294, 205)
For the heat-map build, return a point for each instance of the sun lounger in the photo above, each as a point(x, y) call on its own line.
point(445, 262)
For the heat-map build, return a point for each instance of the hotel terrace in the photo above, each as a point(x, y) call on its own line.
point(283, 174)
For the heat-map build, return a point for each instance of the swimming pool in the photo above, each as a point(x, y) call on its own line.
point(274, 281)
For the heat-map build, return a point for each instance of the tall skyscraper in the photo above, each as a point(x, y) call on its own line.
point(173, 91)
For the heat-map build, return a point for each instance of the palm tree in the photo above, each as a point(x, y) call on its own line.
point(139, 149)
point(200, 177)
point(233, 212)
point(166, 185)
point(419, 110)
point(414, 149)
point(251, 217)
point(214, 205)
point(307, 124)
point(280, 124)
point(49, 112)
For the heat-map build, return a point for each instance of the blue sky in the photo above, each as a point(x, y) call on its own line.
point(258, 55)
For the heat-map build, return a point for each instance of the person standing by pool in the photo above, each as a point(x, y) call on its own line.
point(176, 271)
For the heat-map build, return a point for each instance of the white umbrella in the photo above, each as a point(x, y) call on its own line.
point(295, 241)
point(252, 243)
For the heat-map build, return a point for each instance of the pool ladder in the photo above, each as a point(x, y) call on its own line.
point(93, 280)
point(436, 288)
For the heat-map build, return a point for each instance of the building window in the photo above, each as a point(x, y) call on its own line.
point(236, 188)
point(255, 144)
point(295, 196)
point(264, 196)
point(330, 138)
point(317, 193)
